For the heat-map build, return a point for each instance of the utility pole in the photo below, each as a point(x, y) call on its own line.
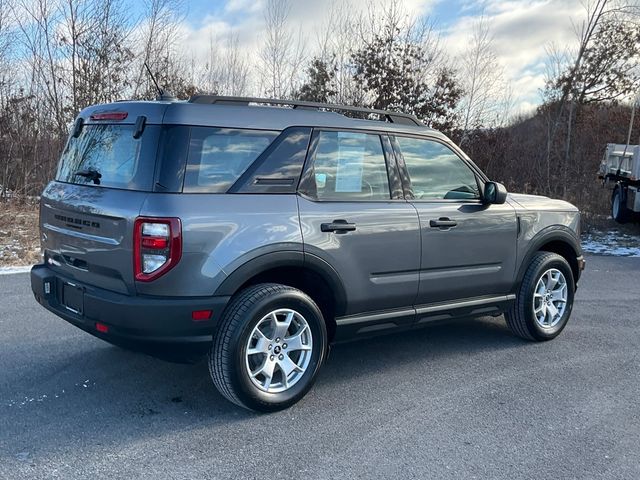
point(626, 147)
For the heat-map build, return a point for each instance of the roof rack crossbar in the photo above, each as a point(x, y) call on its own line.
point(392, 117)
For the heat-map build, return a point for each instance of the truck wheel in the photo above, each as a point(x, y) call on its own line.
point(619, 210)
point(269, 347)
point(545, 299)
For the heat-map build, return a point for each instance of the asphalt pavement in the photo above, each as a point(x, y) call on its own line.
point(458, 400)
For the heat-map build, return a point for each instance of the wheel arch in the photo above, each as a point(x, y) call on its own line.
point(305, 272)
point(555, 239)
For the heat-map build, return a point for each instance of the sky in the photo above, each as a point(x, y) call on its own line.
point(522, 30)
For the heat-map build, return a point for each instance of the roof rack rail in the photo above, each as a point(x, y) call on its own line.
point(392, 117)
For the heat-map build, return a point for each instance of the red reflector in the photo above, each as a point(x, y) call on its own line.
point(199, 315)
point(109, 116)
point(153, 242)
point(102, 328)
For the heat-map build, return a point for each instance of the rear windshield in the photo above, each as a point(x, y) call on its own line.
point(109, 156)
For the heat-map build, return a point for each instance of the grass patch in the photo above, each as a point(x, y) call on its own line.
point(19, 237)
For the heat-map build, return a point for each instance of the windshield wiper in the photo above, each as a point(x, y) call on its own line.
point(91, 174)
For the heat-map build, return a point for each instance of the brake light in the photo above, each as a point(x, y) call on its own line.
point(109, 116)
point(157, 246)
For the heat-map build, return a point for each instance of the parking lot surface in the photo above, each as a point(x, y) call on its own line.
point(458, 400)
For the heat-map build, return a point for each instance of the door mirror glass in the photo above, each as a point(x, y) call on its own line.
point(495, 193)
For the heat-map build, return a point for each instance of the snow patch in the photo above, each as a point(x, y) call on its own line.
point(612, 243)
point(12, 270)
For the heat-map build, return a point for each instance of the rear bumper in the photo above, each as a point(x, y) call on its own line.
point(133, 321)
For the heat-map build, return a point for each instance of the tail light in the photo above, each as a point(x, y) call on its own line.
point(157, 246)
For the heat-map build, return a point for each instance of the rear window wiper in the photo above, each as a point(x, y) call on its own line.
point(91, 174)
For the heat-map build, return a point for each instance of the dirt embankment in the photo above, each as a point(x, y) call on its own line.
point(19, 238)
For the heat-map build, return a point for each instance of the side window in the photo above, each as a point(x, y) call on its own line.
point(350, 166)
point(279, 167)
point(436, 172)
point(218, 156)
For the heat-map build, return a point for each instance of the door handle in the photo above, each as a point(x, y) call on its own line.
point(443, 223)
point(338, 226)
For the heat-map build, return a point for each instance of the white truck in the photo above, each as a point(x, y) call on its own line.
point(620, 170)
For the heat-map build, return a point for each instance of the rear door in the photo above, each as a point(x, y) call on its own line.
point(87, 213)
point(468, 247)
point(353, 216)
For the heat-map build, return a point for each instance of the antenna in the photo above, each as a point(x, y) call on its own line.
point(153, 79)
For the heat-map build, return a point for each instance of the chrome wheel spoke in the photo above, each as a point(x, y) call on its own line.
point(294, 342)
point(282, 326)
point(288, 366)
point(276, 359)
point(559, 294)
point(261, 346)
point(550, 298)
point(266, 369)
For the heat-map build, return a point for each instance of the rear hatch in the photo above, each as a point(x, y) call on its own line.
point(87, 214)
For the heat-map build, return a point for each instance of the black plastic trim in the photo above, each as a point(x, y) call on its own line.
point(134, 318)
point(285, 258)
point(373, 323)
point(549, 234)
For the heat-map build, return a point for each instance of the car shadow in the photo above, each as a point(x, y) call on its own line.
point(128, 396)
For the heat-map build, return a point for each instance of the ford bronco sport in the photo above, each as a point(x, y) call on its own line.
point(261, 231)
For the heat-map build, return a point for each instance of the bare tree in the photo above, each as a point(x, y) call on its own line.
point(599, 68)
point(227, 69)
point(596, 13)
point(156, 45)
point(481, 79)
point(92, 40)
point(337, 38)
point(282, 54)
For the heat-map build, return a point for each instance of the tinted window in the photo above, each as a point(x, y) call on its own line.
point(219, 156)
point(174, 146)
point(436, 172)
point(278, 171)
point(110, 150)
point(350, 166)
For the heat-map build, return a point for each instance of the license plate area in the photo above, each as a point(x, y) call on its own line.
point(72, 298)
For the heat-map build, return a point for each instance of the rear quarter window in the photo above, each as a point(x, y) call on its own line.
point(217, 157)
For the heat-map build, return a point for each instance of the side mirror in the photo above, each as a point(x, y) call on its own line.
point(495, 193)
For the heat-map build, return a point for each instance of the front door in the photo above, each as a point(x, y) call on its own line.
point(468, 247)
point(350, 220)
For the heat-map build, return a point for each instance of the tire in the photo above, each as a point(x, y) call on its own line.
point(524, 316)
point(245, 322)
point(619, 211)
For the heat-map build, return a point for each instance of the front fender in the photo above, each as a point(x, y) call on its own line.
point(553, 233)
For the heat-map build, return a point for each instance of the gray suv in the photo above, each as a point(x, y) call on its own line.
point(261, 231)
